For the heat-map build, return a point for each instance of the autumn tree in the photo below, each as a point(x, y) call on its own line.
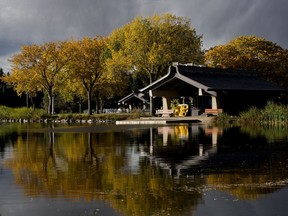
point(22, 77)
point(38, 68)
point(87, 66)
point(119, 79)
point(151, 44)
point(72, 92)
point(252, 53)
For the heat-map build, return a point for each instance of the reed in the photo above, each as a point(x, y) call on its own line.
point(271, 114)
point(251, 116)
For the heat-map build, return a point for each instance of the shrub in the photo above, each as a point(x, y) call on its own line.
point(252, 115)
point(4, 112)
point(20, 113)
point(271, 114)
point(223, 118)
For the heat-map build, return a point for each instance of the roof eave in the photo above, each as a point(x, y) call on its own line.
point(158, 82)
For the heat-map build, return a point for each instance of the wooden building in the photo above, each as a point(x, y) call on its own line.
point(135, 100)
point(212, 89)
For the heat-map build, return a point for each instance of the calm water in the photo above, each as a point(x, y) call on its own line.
point(187, 169)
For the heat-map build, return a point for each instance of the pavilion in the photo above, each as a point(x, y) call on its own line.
point(206, 88)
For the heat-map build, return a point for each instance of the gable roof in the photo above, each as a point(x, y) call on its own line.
point(212, 80)
point(137, 96)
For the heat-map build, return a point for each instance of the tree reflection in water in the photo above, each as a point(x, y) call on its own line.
point(148, 171)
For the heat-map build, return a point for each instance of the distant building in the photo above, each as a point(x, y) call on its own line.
point(135, 100)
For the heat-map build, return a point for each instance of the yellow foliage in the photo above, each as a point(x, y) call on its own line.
point(153, 43)
point(250, 52)
point(38, 68)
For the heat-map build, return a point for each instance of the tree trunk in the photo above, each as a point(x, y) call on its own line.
point(27, 99)
point(97, 102)
point(150, 77)
point(89, 102)
point(101, 105)
point(32, 102)
point(50, 103)
point(80, 107)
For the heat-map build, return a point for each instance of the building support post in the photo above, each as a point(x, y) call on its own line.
point(214, 102)
point(164, 103)
point(151, 102)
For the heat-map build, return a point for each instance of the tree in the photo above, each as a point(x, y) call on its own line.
point(2, 85)
point(22, 78)
point(52, 62)
point(250, 52)
point(38, 68)
point(87, 66)
point(118, 82)
point(8, 97)
point(151, 44)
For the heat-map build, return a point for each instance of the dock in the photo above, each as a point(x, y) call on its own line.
point(166, 120)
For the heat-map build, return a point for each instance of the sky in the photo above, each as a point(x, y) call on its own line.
point(24, 22)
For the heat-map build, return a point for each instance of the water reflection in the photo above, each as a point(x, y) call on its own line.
point(146, 171)
point(181, 147)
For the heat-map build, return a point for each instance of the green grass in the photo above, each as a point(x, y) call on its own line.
point(7, 113)
point(21, 113)
point(271, 114)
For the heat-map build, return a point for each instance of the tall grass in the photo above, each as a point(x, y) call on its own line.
point(271, 114)
point(21, 113)
point(252, 115)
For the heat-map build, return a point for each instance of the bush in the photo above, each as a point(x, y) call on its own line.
point(252, 115)
point(223, 118)
point(20, 113)
point(274, 113)
point(271, 114)
point(5, 112)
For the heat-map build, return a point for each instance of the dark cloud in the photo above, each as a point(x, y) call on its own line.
point(269, 21)
point(219, 21)
point(262, 18)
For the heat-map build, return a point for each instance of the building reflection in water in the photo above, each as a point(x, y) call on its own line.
point(168, 142)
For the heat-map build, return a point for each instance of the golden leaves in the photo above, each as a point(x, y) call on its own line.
point(250, 52)
point(153, 43)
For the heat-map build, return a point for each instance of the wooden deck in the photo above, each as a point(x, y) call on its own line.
point(166, 120)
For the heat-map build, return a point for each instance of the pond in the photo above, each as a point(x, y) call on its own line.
point(177, 169)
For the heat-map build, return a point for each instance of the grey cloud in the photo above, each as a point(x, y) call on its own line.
point(269, 21)
point(219, 21)
point(262, 18)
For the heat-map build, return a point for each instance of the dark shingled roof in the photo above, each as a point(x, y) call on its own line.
point(226, 79)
